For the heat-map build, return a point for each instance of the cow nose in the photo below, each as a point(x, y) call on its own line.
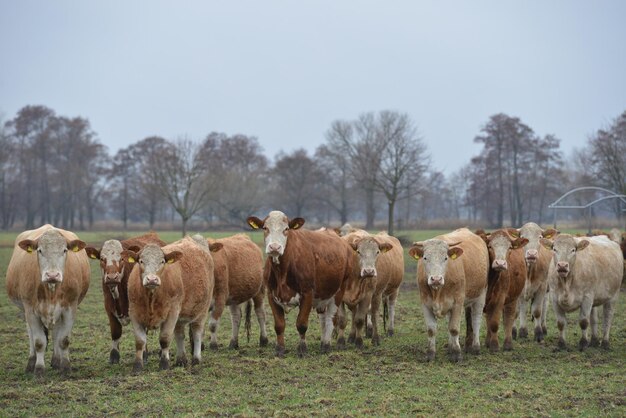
point(112, 276)
point(274, 247)
point(436, 280)
point(499, 265)
point(53, 276)
point(562, 266)
point(152, 280)
point(531, 255)
point(368, 272)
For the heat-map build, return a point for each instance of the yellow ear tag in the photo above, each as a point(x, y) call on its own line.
point(131, 260)
point(92, 256)
point(29, 249)
point(254, 225)
point(453, 256)
point(170, 261)
point(417, 257)
point(76, 249)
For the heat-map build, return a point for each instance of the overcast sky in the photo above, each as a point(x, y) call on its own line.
point(284, 70)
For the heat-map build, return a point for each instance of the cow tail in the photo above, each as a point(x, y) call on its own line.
point(385, 313)
point(248, 318)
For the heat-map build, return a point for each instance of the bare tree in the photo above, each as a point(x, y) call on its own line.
point(294, 177)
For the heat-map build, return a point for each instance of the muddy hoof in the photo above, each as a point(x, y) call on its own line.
point(137, 367)
point(544, 329)
point(181, 362)
point(473, 349)
point(376, 340)
point(389, 333)
point(213, 346)
point(369, 331)
point(514, 333)
point(233, 345)
point(56, 362)
point(605, 344)
point(30, 366)
point(583, 344)
point(508, 346)
point(455, 356)
point(40, 371)
point(164, 364)
point(351, 339)
point(195, 361)
point(325, 348)
point(538, 334)
point(302, 349)
point(263, 341)
point(523, 333)
point(561, 345)
point(341, 343)
point(358, 342)
point(430, 355)
point(595, 342)
point(114, 357)
point(64, 367)
point(280, 351)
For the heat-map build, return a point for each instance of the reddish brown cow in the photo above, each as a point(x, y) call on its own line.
point(47, 278)
point(306, 269)
point(115, 273)
point(238, 278)
point(171, 287)
point(507, 277)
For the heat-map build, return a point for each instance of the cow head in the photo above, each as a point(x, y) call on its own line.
point(276, 227)
point(51, 248)
point(112, 263)
point(151, 261)
point(564, 248)
point(368, 249)
point(435, 253)
point(499, 243)
point(533, 233)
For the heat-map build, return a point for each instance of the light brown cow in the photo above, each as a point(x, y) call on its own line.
point(306, 269)
point(452, 276)
point(238, 278)
point(377, 274)
point(47, 278)
point(171, 287)
point(536, 288)
point(115, 274)
point(584, 273)
point(507, 277)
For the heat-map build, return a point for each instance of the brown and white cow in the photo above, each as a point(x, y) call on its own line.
point(47, 278)
point(238, 278)
point(171, 287)
point(536, 288)
point(377, 274)
point(452, 275)
point(304, 268)
point(115, 274)
point(584, 273)
point(507, 277)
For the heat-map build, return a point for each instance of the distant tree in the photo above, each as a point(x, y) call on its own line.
point(294, 178)
point(607, 149)
point(335, 181)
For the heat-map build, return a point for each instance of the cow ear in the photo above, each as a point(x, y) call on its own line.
point(337, 231)
point(549, 233)
point(455, 252)
point(93, 253)
point(384, 247)
point(519, 243)
point(514, 233)
point(296, 223)
point(76, 245)
point(354, 245)
point(255, 223)
point(134, 248)
point(416, 251)
point(546, 243)
point(173, 257)
point(28, 245)
point(129, 256)
point(582, 245)
point(215, 246)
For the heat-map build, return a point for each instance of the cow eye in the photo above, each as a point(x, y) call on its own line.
point(445, 258)
point(573, 250)
point(425, 258)
point(140, 261)
point(377, 252)
point(64, 250)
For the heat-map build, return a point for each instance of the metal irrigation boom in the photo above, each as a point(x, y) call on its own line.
point(612, 195)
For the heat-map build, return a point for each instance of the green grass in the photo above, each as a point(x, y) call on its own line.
point(392, 379)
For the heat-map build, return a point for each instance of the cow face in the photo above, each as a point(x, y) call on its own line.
point(533, 233)
point(111, 262)
point(51, 249)
point(368, 250)
point(435, 254)
point(151, 262)
point(500, 245)
point(564, 250)
point(276, 227)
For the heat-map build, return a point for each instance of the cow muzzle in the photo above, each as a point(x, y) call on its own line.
point(499, 265)
point(152, 282)
point(531, 256)
point(435, 282)
point(368, 272)
point(274, 249)
point(562, 269)
point(112, 279)
point(52, 277)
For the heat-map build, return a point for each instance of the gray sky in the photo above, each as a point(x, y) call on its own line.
point(284, 70)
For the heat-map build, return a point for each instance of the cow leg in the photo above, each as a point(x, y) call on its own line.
point(279, 325)
point(510, 311)
point(259, 310)
point(179, 336)
point(369, 326)
point(216, 314)
point(30, 366)
point(608, 310)
point(561, 323)
point(537, 310)
point(523, 312)
point(61, 335)
point(116, 336)
point(235, 319)
point(454, 325)
point(375, 305)
point(326, 322)
point(595, 341)
point(341, 326)
point(358, 319)
point(391, 304)
point(302, 321)
point(477, 316)
point(585, 312)
point(431, 326)
point(165, 338)
point(544, 311)
point(39, 342)
point(197, 331)
point(140, 346)
point(493, 315)
point(352, 335)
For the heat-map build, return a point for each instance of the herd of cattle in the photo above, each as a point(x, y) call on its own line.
point(155, 285)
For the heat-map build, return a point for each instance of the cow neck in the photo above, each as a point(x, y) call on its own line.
point(49, 291)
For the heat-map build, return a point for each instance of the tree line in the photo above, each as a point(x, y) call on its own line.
point(375, 168)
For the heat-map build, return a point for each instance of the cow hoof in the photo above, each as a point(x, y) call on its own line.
point(64, 367)
point(595, 342)
point(56, 362)
point(280, 351)
point(30, 366)
point(376, 340)
point(369, 331)
point(538, 334)
point(202, 347)
point(605, 344)
point(195, 361)
point(40, 371)
point(473, 349)
point(583, 344)
point(358, 342)
point(233, 345)
point(351, 339)
point(341, 343)
point(455, 356)
point(325, 348)
point(181, 362)
point(544, 329)
point(164, 364)
point(389, 333)
point(302, 349)
point(494, 347)
point(508, 346)
point(514, 333)
point(114, 357)
point(561, 344)
point(213, 345)
point(263, 341)
point(137, 367)
point(523, 333)
point(430, 355)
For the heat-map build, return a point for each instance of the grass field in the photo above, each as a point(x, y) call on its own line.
point(392, 379)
